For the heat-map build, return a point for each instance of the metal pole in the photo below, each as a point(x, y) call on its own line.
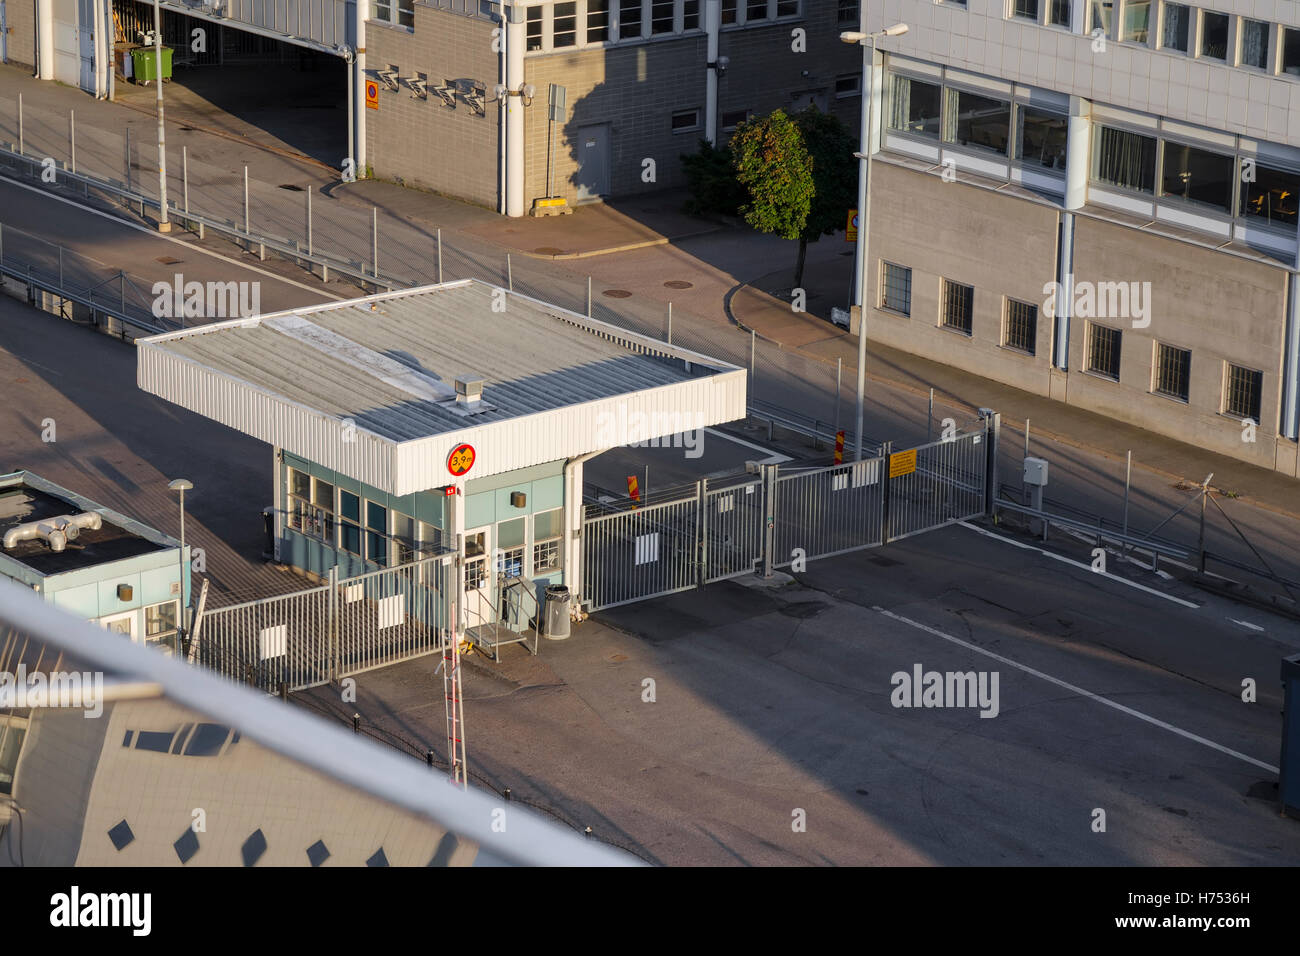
point(1200, 538)
point(1128, 476)
point(180, 604)
point(72, 137)
point(246, 225)
point(929, 417)
point(185, 178)
point(839, 375)
point(670, 323)
point(121, 278)
point(374, 240)
point(864, 220)
point(309, 233)
point(127, 174)
point(163, 224)
point(510, 275)
point(20, 124)
point(1026, 437)
point(588, 296)
point(752, 348)
point(60, 268)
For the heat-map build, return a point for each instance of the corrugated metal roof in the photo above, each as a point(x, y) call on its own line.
point(367, 386)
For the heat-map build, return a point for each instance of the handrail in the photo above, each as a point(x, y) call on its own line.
point(1154, 545)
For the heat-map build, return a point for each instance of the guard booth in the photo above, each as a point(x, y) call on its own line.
point(444, 419)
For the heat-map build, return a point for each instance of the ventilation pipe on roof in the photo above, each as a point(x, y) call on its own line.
point(56, 532)
point(469, 392)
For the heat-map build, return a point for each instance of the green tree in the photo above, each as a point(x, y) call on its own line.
point(711, 178)
point(774, 166)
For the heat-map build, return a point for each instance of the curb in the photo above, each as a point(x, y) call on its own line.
point(627, 247)
point(954, 400)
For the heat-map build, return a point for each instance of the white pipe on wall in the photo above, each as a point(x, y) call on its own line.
point(712, 26)
point(45, 39)
point(514, 53)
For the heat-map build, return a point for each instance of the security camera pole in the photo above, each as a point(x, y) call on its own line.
point(868, 43)
point(163, 224)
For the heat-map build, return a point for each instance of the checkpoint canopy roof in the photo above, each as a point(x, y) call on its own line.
point(367, 386)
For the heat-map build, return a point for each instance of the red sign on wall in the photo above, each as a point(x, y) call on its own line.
point(461, 460)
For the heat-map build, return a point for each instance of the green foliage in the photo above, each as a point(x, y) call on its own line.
point(834, 170)
point(711, 178)
point(776, 169)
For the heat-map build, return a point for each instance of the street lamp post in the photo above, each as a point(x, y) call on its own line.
point(182, 485)
point(868, 43)
point(163, 224)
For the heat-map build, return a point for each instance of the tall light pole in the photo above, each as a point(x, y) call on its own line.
point(182, 485)
point(868, 43)
point(163, 224)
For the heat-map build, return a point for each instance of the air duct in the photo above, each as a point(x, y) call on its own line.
point(56, 532)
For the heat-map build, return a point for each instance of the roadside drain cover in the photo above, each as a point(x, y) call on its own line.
point(291, 187)
point(617, 293)
point(168, 260)
point(678, 284)
point(548, 251)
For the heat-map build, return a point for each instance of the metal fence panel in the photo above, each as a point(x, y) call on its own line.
point(828, 511)
point(733, 530)
point(947, 485)
point(639, 554)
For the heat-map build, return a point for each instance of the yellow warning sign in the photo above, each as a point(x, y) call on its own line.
point(851, 227)
point(902, 463)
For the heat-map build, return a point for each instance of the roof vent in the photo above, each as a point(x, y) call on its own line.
point(55, 532)
point(469, 392)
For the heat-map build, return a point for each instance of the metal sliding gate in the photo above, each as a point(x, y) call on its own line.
point(347, 626)
point(777, 519)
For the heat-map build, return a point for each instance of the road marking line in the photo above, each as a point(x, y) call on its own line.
point(1081, 565)
point(1078, 690)
point(158, 235)
point(774, 458)
point(1253, 627)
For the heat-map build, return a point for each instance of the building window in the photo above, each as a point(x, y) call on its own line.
point(629, 19)
point(1244, 393)
point(1137, 16)
point(1058, 13)
point(733, 119)
point(597, 21)
point(1103, 351)
point(1254, 44)
point(975, 120)
point(914, 106)
point(661, 16)
point(548, 532)
point(510, 547)
point(311, 506)
point(846, 12)
point(565, 28)
point(1173, 371)
point(401, 13)
point(12, 731)
point(755, 10)
point(404, 550)
point(691, 14)
point(476, 569)
point(787, 8)
point(1125, 159)
point(350, 522)
point(376, 533)
point(1041, 138)
point(1272, 196)
point(1100, 14)
point(728, 11)
point(430, 539)
point(160, 622)
point(848, 85)
point(1214, 35)
point(1198, 176)
point(684, 121)
point(533, 29)
point(1021, 331)
point(958, 306)
point(896, 288)
point(1291, 51)
point(1025, 8)
point(1177, 26)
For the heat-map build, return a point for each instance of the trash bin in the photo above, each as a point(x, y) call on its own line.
point(268, 525)
point(1288, 778)
point(144, 63)
point(557, 612)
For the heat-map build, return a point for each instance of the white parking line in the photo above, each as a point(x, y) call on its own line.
point(1077, 690)
point(1081, 565)
point(1253, 627)
point(774, 458)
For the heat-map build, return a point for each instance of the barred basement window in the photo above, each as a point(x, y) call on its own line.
point(896, 288)
point(1173, 371)
point(565, 30)
point(846, 11)
point(1245, 387)
point(958, 306)
point(629, 19)
point(533, 29)
point(1103, 351)
point(661, 16)
point(1022, 326)
point(597, 21)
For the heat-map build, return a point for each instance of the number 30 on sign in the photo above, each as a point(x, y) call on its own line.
point(461, 460)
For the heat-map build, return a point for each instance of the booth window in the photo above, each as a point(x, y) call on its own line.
point(159, 622)
point(12, 732)
point(548, 530)
point(376, 533)
point(403, 538)
point(311, 505)
point(350, 522)
point(475, 560)
point(430, 539)
point(510, 547)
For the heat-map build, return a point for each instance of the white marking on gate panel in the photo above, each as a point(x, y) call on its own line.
point(647, 548)
point(839, 481)
point(273, 641)
point(354, 592)
point(866, 472)
point(391, 612)
point(749, 489)
point(726, 503)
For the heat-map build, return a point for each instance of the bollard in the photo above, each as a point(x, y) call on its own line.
point(428, 757)
point(356, 723)
point(507, 794)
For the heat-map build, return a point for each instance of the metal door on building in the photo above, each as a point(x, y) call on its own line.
point(593, 163)
point(86, 44)
point(67, 44)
